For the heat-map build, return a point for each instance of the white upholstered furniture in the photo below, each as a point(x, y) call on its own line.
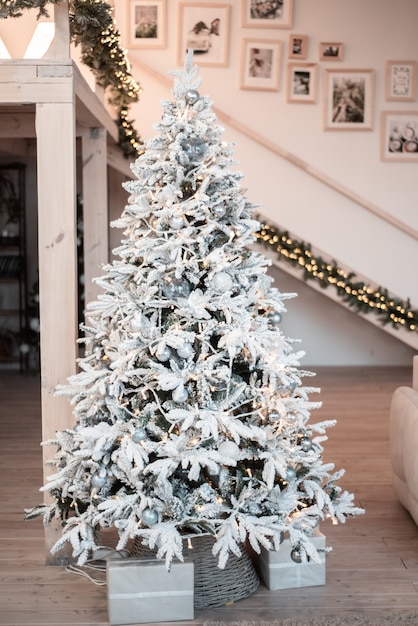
point(404, 443)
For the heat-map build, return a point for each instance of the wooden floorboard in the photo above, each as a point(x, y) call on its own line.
point(372, 570)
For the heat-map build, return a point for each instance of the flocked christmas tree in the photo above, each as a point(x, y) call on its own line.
point(190, 412)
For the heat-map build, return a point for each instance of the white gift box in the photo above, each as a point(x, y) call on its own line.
point(278, 570)
point(143, 590)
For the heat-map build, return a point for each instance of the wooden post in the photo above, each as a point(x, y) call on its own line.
point(95, 208)
point(60, 49)
point(55, 131)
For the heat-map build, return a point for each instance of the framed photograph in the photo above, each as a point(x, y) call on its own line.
point(301, 82)
point(401, 80)
point(146, 23)
point(330, 51)
point(271, 14)
point(348, 99)
point(205, 29)
point(260, 64)
point(399, 136)
point(298, 47)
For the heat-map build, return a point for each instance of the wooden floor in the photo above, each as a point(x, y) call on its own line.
point(372, 570)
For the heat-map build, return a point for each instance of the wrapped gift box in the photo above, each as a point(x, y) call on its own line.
point(143, 590)
point(278, 570)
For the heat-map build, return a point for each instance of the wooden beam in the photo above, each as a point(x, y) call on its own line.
point(15, 124)
point(95, 208)
point(61, 45)
point(55, 129)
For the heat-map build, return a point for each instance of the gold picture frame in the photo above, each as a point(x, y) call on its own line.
point(298, 47)
point(302, 82)
point(348, 99)
point(204, 27)
point(330, 51)
point(401, 81)
point(399, 136)
point(147, 23)
point(273, 14)
point(260, 64)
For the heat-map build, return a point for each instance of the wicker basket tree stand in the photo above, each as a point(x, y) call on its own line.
point(213, 587)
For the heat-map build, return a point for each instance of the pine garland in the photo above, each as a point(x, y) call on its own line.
point(93, 28)
point(358, 295)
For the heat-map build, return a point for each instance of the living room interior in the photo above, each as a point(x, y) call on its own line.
point(339, 191)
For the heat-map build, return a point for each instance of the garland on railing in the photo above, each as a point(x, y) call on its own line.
point(357, 294)
point(92, 27)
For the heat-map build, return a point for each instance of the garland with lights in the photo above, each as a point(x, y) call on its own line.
point(359, 296)
point(92, 27)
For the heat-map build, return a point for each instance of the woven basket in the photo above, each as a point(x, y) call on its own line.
point(213, 586)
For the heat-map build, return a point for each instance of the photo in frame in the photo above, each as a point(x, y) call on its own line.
point(302, 82)
point(260, 64)
point(205, 29)
point(399, 136)
point(272, 14)
point(330, 51)
point(298, 47)
point(146, 23)
point(348, 101)
point(401, 81)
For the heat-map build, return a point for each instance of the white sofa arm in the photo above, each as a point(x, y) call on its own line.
point(403, 440)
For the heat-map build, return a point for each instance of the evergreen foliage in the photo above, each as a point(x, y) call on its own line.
point(190, 412)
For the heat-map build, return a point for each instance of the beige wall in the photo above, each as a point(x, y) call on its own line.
point(372, 33)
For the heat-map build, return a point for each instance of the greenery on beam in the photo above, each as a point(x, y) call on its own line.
point(359, 296)
point(92, 27)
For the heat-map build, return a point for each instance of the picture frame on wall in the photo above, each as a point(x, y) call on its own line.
point(330, 51)
point(272, 14)
point(147, 23)
point(298, 47)
point(348, 101)
point(302, 82)
point(399, 136)
point(204, 27)
point(401, 81)
point(260, 64)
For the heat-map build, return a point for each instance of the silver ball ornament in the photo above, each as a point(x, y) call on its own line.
point(149, 517)
point(140, 434)
point(218, 210)
point(229, 449)
point(177, 222)
point(221, 282)
point(290, 473)
point(274, 319)
point(176, 288)
point(194, 148)
point(296, 555)
point(180, 394)
point(192, 96)
point(163, 354)
point(306, 444)
point(185, 351)
point(97, 481)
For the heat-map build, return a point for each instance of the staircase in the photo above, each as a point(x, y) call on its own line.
point(408, 235)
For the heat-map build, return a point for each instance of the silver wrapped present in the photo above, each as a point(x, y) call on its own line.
point(143, 590)
point(278, 570)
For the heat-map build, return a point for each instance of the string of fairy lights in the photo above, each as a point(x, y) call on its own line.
point(93, 28)
point(358, 295)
